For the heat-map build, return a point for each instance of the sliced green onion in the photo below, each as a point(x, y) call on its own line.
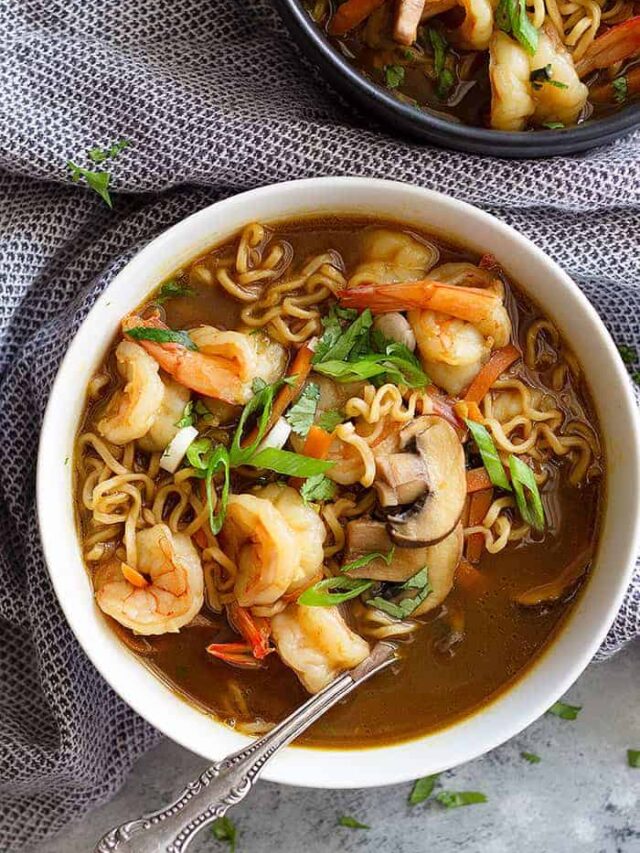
point(489, 455)
point(526, 492)
point(633, 757)
point(455, 799)
point(422, 789)
point(288, 463)
point(161, 336)
point(564, 711)
point(218, 459)
point(365, 559)
point(332, 591)
point(351, 822)
point(531, 757)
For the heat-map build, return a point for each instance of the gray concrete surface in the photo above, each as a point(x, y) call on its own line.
point(581, 798)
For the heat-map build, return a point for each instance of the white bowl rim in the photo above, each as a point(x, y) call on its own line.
point(314, 767)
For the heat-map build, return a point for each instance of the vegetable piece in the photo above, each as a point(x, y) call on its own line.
point(526, 492)
point(98, 155)
point(317, 488)
point(332, 591)
point(553, 590)
point(540, 76)
point(97, 181)
point(633, 757)
point(564, 711)
point(404, 606)
point(317, 443)
point(422, 789)
point(553, 125)
point(188, 416)
point(444, 76)
point(468, 411)
point(511, 17)
point(255, 630)
point(277, 436)
point(171, 290)
point(479, 504)
point(405, 25)
point(455, 799)
point(393, 76)
point(365, 559)
point(300, 367)
point(477, 480)
point(351, 823)
point(350, 14)
point(134, 577)
point(161, 336)
point(175, 451)
point(301, 414)
point(470, 578)
point(365, 537)
point(531, 757)
point(328, 421)
point(224, 829)
point(622, 41)
point(489, 455)
point(288, 463)
point(500, 361)
point(237, 654)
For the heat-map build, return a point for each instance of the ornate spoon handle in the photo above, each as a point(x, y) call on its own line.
point(226, 783)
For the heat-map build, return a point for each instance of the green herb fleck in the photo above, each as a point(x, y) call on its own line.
point(301, 414)
point(328, 421)
point(393, 75)
point(331, 591)
point(422, 789)
point(620, 88)
point(66, 460)
point(97, 181)
point(98, 155)
point(553, 125)
point(224, 829)
point(628, 354)
point(400, 605)
point(512, 17)
point(171, 289)
point(489, 454)
point(564, 711)
point(444, 76)
point(531, 757)
point(527, 493)
point(351, 823)
point(365, 559)
point(188, 416)
point(318, 488)
point(161, 336)
point(455, 799)
point(633, 757)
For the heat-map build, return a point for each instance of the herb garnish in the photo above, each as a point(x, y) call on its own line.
point(96, 180)
point(365, 559)
point(334, 590)
point(188, 416)
point(553, 125)
point(455, 799)
point(511, 17)
point(564, 711)
point(531, 757)
point(351, 823)
point(444, 76)
point(224, 829)
point(620, 88)
point(489, 454)
point(404, 606)
point(527, 494)
point(393, 75)
point(317, 488)
point(301, 414)
point(161, 336)
point(422, 789)
point(98, 155)
point(328, 421)
point(539, 76)
point(171, 289)
point(633, 757)
point(627, 354)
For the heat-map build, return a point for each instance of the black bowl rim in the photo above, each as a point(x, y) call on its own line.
point(428, 126)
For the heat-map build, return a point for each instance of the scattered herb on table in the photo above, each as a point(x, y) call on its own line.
point(98, 155)
point(455, 799)
point(531, 757)
point(628, 354)
point(564, 711)
point(351, 822)
point(96, 180)
point(224, 829)
point(633, 757)
point(422, 789)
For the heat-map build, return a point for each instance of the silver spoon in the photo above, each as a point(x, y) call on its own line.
point(227, 782)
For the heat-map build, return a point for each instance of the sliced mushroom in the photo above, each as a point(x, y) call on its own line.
point(408, 14)
point(441, 561)
point(567, 580)
point(434, 515)
point(365, 536)
point(402, 479)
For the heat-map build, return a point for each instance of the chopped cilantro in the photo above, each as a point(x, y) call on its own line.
point(301, 414)
point(393, 75)
point(171, 289)
point(318, 488)
point(531, 757)
point(620, 88)
point(97, 181)
point(328, 421)
point(633, 757)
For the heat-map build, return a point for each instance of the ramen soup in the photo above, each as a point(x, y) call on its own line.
point(325, 433)
point(506, 65)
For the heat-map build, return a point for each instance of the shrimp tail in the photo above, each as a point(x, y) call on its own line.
point(236, 654)
point(620, 42)
point(255, 629)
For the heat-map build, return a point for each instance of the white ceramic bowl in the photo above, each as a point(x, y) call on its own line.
point(556, 669)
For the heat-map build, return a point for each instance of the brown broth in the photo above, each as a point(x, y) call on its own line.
point(431, 687)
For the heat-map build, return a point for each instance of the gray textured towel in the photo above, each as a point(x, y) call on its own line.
point(211, 94)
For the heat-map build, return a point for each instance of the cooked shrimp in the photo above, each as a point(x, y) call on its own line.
point(317, 644)
point(474, 33)
point(618, 43)
point(306, 527)
point(452, 351)
point(562, 103)
point(256, 536)
point(224, 364)
point(390, 256)
point(132, 410)
point(511, 94)
point(163, 593)
point(164, 426)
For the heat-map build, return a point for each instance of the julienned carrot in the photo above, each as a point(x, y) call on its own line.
point(300, 368)
point(497, 364)
point(470, 578)
point(317, 446)
point(477, 480)
point(479, 504)
point(468, 410)
point(350, 14)
point(133, 576)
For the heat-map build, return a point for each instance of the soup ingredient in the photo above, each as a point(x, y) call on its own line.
point(327, 422)
point(474, 33)
point(489, 455)
point(171, 290)
point(444, 75)
point(392, 256)
point(395, 327)
point(633, 757)
point(350, 14)
point(526, 491)
point(177, 448)
point(422, 789)
point(444, 484)
point(564, 711)
point(298, 372)
point(618, 43)
point(404, 598)
point(301, 414)
point(351, 823)
point(333, 591)
point(171, 410)
point(173, 591)
point(511, 17)
point(407, 18)
point(277, 436)
point(512, 102)
point(531, 757)
point(563, 97)
point(500, 361)
point(132, 410)
point(547, 593)
point(455, 799)
point(317, 643)
point(224, 829)
point(318, 488)
point(224, 365)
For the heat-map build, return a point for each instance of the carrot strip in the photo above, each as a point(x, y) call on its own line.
point(497, 364)
point(479, 504)
point(469, 578)
point(133, 576)
point(254, 629)
point(300, 368)
point(477, 480)
point(468, 410)
point(350, 14)
point(317, 443)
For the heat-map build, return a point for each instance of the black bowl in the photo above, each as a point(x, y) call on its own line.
point(430, 127)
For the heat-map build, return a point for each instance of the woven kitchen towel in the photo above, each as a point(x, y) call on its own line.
point(214, 99)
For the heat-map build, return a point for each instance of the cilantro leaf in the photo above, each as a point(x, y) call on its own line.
point(422, 789)
point(404, 605)
point(620, 88)
point(328, 421)
point(98, 155)
point(318, 488)
point(444, 76)
point(97, 181)
point(188, 416)
point(512, 17)
point(171, 289)
point(161, 336)
point(393, 75)
point(301, 414)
